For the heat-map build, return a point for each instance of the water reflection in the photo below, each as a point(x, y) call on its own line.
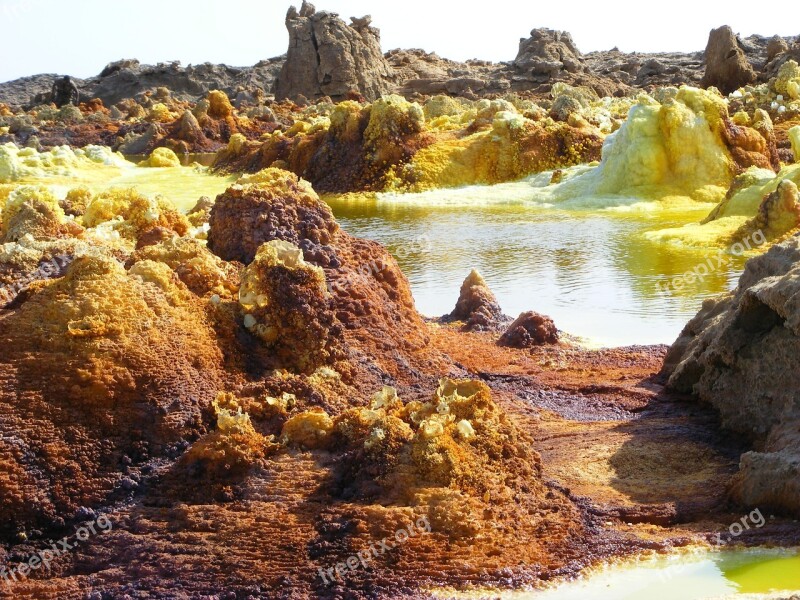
point(591, 270)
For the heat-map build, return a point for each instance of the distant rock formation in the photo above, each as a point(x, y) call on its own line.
point(727, 67)
point(548, 53)
point(327, 57)
point(740, 355)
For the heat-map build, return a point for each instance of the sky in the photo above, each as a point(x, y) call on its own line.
point(79, 37)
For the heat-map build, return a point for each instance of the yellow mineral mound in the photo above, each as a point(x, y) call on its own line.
point(133, 214)
point(219, 106)
point(787, 81)
point(760, 206)
point(794, 138)
point(27, 164)
point(161, 157)
point(30, 210)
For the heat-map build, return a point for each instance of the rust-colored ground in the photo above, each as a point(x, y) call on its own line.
point(628, 468)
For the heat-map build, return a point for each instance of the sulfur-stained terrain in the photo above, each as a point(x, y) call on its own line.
point(204, 359)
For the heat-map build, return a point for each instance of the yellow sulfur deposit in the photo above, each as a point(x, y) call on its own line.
point(794, 138)
point(30, 210)
point(161, 157)
point(485, 157)
point(674, 148)
point(749, 189)
point(219, 105)
point(345, 121)
point(160, 113)
point(788, 80)
point(134, 213)
point(284, 304)
point(232, 447)
point(391, 119)
point(27, 164)
point(310, 429)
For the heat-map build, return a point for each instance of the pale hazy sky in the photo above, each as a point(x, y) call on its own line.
point(80, 37)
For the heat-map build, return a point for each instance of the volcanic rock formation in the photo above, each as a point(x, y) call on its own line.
point(327, 57)
point(727, 67)
point(739, 354)
point(477, 306)
point(546, 54)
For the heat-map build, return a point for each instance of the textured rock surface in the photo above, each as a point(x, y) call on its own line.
point(477, 306)
point(727, 67)
point(131, 385)
point(249, 215)
point(530, 329)
point(547, 53)
point(739, 354)
point(327, 57)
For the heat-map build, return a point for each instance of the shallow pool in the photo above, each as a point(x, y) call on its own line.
point(590, 268)
point(693, 576)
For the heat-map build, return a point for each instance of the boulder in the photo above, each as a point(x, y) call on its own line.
point(727, 67)
point(327, 57)
point(530, 329)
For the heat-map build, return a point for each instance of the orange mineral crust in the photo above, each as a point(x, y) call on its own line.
point(253, 416)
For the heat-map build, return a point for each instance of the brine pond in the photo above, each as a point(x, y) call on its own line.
point(751, 574)
point(593, 269)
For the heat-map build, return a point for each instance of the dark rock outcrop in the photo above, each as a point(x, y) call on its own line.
point(547, 53)
point(530, 329)
point(327, 57)
point(128, 79)
point(727, 67)
point(739, 354)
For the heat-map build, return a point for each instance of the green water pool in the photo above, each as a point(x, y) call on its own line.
point(702, 575)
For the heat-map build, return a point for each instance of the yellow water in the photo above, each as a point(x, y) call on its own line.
point(704, 575)
point(182, 185)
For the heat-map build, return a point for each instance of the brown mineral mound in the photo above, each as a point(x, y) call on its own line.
point(102, 370)
point(738, 354)
point(395, 144)
point(273, 205)
point(363, 286)
point(235, 422)
point(477, 306)
point(529, 329)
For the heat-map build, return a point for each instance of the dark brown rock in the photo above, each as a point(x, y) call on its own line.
point(727, 67)
point(530, 329)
